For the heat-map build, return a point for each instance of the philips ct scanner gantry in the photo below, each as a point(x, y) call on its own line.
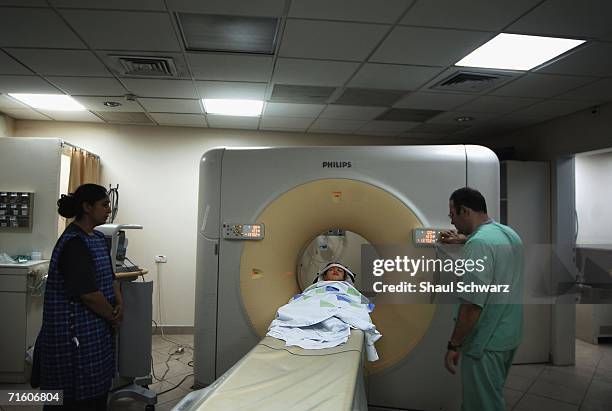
point(259, 208)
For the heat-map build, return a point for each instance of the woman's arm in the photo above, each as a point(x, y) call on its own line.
point(97, 303)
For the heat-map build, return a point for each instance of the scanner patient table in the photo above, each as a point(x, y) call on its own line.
point(274, 377)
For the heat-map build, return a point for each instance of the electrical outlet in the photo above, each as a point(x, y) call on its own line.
point(161, 259)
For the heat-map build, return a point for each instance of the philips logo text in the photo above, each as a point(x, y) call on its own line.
point(337, 164)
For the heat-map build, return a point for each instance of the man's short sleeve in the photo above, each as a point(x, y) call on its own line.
point(479, 269)
point(76, 266)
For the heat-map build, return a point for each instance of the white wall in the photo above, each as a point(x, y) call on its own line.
point(7, 125)
point(575, 133)
point(593, 198)
point(157, 172)
point(32, 165)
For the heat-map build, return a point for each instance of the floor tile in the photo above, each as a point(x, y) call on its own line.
point(559, 392)
point(527, 370)
point(532, 402)
point(518, 383)
point(599, 391)
point(564, 379)
point(512, 397)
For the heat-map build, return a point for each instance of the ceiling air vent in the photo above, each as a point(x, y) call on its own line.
point(470, 82)
point(146, 66)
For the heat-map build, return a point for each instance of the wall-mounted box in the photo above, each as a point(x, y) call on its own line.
point(16, 211)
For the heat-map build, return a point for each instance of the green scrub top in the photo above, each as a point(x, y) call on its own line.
point(500, 325)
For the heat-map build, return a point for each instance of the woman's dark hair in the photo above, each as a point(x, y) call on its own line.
point(470, 198)
point(71, 205)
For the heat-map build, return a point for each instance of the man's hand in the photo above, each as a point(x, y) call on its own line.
point(451, 360)
point(452, 237)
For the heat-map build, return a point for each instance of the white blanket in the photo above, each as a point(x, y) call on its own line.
point(322, 317)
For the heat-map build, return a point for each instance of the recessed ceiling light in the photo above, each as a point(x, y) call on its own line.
point(247, 108)
point(55, 102)
point(517, 51)
point(464, 119)
point(112, 104)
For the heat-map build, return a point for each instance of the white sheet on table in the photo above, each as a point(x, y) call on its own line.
point(322, 317)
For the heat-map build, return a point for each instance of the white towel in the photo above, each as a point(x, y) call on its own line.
point(322, 317)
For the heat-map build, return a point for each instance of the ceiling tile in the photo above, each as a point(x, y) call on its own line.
point(580, 19)
point(24, 114)
point(273, 8)
point(433, 101)
point(288, 93)
point(368, 97)
point(554, 108)
point(61, 62)
point(97, 104)
point(232, 122)
point(408, 114)
point(124, 117)
point(161, 88)
point(352, 10)
point(313, 72)
point(159, 105)
point(7, 102)
point(600, 91)
point(72, 116)
point(541, 85)
point(230, 67)
point(293, 110)
point(88, 86)
point(112, 4)
point(24, 3)
point(449, 117)
point(330, 40)
point(593, 59)
point(433, 128)
point(9, 65)
point(172, 119)
point(111, 60)
point(326, 125)
point(124, 30)
point(351, 112)
point(473, 15)
point(44, 28)
point(427, 46)
point(26, 84)
point(494, 104)
point(231, 90)
point(285, 123)
point(386, 128)
point(393, 76)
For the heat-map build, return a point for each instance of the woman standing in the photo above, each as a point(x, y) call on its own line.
point(82, 306)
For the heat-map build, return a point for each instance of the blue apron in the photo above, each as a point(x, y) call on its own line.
point(76, 345)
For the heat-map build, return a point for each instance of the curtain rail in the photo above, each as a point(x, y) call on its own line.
point(65, 143)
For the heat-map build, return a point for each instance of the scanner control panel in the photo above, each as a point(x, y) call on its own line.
point(426, 237)
point(233, 231)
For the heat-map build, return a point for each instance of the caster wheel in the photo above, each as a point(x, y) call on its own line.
point(149, 407)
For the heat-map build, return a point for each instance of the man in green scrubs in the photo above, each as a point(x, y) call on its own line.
point(489, 323)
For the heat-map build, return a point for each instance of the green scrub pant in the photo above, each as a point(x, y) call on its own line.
point(483, 380)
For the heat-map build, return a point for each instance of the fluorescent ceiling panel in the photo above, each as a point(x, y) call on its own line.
point(517, 51)
point(55, 102)
point(246, 108)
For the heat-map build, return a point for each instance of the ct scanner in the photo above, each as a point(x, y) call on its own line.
point(259, 208)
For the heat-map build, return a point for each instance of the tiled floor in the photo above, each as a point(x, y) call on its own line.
point(162, 351)
point(587, 386)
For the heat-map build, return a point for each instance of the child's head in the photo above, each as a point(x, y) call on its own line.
point(335, 272)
